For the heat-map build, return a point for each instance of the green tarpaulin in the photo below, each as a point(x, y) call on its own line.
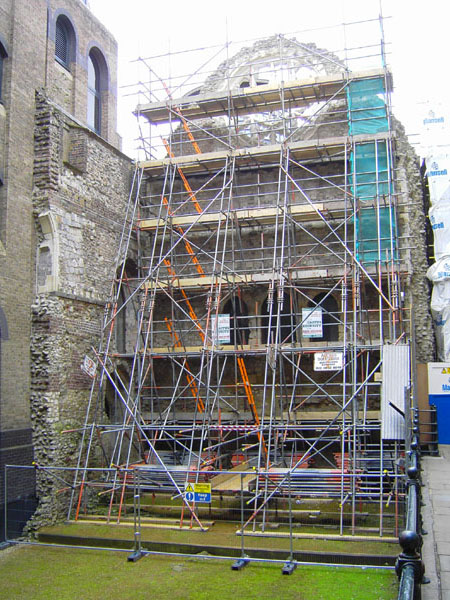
point(369, 170)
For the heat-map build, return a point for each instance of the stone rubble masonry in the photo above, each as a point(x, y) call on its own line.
point(413, 222)
point(87, 202)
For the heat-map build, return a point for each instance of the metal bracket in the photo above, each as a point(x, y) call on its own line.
point(240, 564)
point(135, 556)
point(289, 567)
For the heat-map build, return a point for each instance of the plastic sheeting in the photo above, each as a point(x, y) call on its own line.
point(438, 173)
point(370, 168)
point(367, 106)
point(439, 274)
point(435, 130)
point(439, 214)
point(369, 179)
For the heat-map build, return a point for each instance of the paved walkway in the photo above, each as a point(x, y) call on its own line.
point(436, 516)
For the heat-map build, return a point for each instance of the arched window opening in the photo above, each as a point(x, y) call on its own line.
point(239, 328)
point(125, 276)
point(3, 55)
point(329, 308)
point(47, 259)
point(64, 41)
point(287, 322)
point(94, 94)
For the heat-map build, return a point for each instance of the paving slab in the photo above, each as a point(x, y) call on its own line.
point(443, 510)
point(442, 534)
point(444, 562)
point(445, 581)
point(430, 591)
point(436, 517)
point(444, 547)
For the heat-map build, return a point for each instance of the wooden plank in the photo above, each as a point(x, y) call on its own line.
point(262, 98)
point(263, 215)
point(235, 278)
point(147, 525)
point(260, 156)
point(321, 536)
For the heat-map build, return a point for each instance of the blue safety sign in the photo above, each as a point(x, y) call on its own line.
point(198, 492)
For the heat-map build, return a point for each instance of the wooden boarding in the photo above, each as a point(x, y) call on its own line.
point(261, 215)
point(315, 149)
point(232, 482)
point(147, 525)
point(233, 279)
point(262, 98)
point(321, 536)
point(300, 417)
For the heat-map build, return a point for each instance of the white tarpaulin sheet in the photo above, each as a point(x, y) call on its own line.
point(435, 126)
point(439, 214)
point(438, 173)
point(396, 381)
point(439, 274)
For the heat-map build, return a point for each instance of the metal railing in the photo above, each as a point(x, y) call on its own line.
point(409, 566)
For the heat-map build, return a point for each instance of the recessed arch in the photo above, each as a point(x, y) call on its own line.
point(239, 328)
point(97, 80)
point(330, 320)
point(65, 41)
point(125, 272)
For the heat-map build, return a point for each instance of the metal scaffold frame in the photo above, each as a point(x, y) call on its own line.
point(263, 206)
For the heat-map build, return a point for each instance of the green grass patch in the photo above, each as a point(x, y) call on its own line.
point(43, 572)
point(224, 534)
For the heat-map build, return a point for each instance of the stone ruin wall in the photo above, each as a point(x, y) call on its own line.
point(81, 188)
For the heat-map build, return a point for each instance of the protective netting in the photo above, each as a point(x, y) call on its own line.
point(369, 171)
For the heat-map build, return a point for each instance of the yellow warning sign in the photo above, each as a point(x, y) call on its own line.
point(197, 492)
point(202, 488)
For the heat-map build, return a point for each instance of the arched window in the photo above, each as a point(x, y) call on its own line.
point(239, 329)
point(97, 75)
point(64, 41)
point(125, 273)
point(94, 95)
point(330, 319)
point(3, 55)
point(287, 322)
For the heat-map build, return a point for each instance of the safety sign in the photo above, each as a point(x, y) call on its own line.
point(198, 492)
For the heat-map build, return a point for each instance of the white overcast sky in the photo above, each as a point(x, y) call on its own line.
point(416, 34)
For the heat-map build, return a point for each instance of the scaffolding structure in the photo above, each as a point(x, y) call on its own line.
point(258, 336)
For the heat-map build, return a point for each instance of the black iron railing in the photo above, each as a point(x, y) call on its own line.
point(409, 567)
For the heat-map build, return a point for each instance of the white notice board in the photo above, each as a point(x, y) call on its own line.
point(439, 378)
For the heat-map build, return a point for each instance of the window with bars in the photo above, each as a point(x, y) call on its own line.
point(63, 40)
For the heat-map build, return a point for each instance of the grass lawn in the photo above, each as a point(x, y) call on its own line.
point(51, 573)
point(224, 534)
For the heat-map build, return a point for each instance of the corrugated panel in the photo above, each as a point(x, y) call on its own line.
point(396, 379)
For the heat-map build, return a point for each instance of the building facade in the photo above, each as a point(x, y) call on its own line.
point(63, 179)
point(280, 298)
